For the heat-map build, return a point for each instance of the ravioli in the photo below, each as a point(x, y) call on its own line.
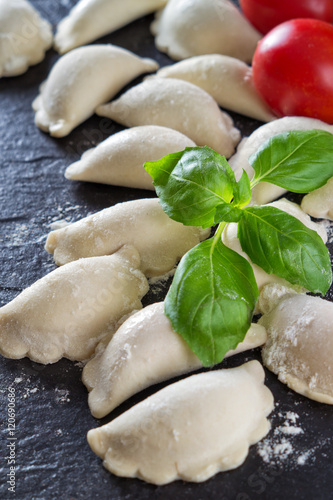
point(67, 312)
point(144, 350)
point(24, 37)
point(161, 241)
point(119, 159)
point(191, 429)
point(319, 203)
point(178, 105)
point(266, 192)
point(80, 81)
point(187, 28)
point(89, 20)
point(227, 79)
point(299, 349)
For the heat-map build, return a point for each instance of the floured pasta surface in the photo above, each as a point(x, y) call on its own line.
point(145, 350)
point(266, 192)
point(191, 429)
point(178, 105)
point(119, 159)
point(300, 345)
point(80, 81)
point(230, 239)
point(187, 28)
point(227, 79)
point(67, 312)
point(319, 203)
point(161, 242)
point(24, 37)
point(91, 19)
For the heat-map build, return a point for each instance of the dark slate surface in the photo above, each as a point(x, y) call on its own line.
point(52, 457)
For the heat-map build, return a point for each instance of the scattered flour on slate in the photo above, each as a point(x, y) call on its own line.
point(279, 448)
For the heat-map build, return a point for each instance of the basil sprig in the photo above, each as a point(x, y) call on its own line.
point(213, 294)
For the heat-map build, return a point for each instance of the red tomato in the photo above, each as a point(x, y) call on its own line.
point(293, 69)
point(266, 14)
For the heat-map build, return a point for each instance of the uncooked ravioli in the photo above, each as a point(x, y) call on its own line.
point(144, 350)
point(161, 241)
point(227, 79)
point(68, 311)
point(24, 37)
point(191, 429)
point(80, 81)
point(179, 105)
point(299, 348)
point(119, 159)
point(91, 19)
point(187, 28)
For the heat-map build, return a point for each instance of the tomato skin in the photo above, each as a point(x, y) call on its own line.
point(293, 69)
point(266, 14)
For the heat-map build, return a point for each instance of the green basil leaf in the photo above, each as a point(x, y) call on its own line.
point(191, 184)
point(281, 244)
point(242, 191)
point(211, 300)
point(299, 161)
point(227, 213)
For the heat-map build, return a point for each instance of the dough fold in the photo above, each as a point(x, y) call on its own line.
point(178, 105)
point(160, 241)
point(191, 429)
point(89, 20)
point(119, 159)
point(67, 312)
point(187, 28)
point(145, 350)
point(299, 349)
point(82, 80)
point(227, 79)
point(266, 192)
point(24, 37)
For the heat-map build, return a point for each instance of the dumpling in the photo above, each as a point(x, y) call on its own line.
point(67, 312)
point(191, 429)
point(91, 19)
point(161, 241)
point(300, 345)
point(227, 79)
point(80, 81)
point(24, 37)
point(319, 203)
point(179, 105)
point(119, 159)
point(266, 192)
point(187, 28)
point(145, 350)
point(230, 239)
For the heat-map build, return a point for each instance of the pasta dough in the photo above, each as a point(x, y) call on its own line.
point(179, 105)
point(230, 239)
point(227, 79)
point(300, 345)
point(145, 350)
point(119, 159)
point(266, 192)
point(187, 28)
point(90, 19)
point(191, 429)
point(80, 81)
point(24, 37)
point(319, 203)
point(67, 312)
point(161, 242)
